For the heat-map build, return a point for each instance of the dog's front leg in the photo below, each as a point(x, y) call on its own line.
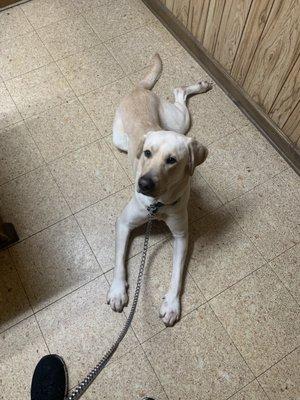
point(130, 218)
point(171, 308)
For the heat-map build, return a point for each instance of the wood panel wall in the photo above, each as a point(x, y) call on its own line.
point(258, 44)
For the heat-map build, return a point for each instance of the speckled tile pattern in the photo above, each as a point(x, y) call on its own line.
point(262, 307)
point(88, 175)
point(54, 262)
point(132, 377)
point(13, 23)
point(84, 316)
point(14, 305)
point(251, 392)
point(62, 129)
point(21, 348)
point(64, 67)
point(19, 152)
point(9, 113)
point(282, 380)
point(91, 69)
point(22, 54)
point(204, 359)
point(286, 266)
point(67, 37)
point(39, 90)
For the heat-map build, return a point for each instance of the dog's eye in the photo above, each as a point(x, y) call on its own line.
point(147, 153)
point(171, 160)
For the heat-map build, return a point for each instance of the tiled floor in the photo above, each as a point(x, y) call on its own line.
point(64, 67)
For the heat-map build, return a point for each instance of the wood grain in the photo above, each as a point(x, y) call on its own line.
point(169, 4)
point(232, 24)
point(292, 126)
point(197, 18)
point(288, 96)
point(258, 44)
point(275, 54)
point(213, 21)
point(255, 24)
point(181, 10)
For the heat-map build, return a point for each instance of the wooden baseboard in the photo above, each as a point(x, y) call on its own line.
point(266, 126)
point(5, 4)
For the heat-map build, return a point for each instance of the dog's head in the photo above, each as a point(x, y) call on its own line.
point(166, 160)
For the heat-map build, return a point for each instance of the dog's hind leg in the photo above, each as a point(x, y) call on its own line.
point(175, 116)
point(120, 138)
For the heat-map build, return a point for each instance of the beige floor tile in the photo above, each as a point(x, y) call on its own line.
point(39, 90)
point(32, 202)
point(135, 49)
point(68, 36)
point(197, 357)
point(45, 12)
point(261, 317)
point(115, 19)
point(8, 111)
point(221, 254)
point(122, 157)
point(282, 381)
point(286, 266)
point(81, 327)
point(155, 285)
point(87, 5)
point(88, 175)
point(132, 377)
point(14, 305)
point(54, 262)
point(21, 348)
point(227, 106)
point(101, 218)
point(251, 392)
point(90, 69)
point(239, 162)
point(22, 54)
point(269, 214)
point(101, 104)
point(13, 23)
point(19, 153)
point(209, 124)
point(62, 129)
point(202, 198)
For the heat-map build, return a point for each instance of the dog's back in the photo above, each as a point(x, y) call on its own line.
point(138, 111)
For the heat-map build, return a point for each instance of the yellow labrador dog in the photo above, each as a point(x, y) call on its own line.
point(152, 131)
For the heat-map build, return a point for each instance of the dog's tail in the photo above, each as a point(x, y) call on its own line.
point(153, 75)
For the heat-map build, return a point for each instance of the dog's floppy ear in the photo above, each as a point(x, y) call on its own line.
point(197, 154)
point(140, 146)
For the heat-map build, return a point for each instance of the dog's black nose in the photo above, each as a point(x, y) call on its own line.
point(146, 184)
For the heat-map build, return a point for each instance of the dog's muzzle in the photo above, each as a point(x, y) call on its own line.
point(146, 185)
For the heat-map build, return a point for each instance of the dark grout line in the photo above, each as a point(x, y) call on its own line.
point(243, 387)
point(42, 333)
point(16, 323)
point(282, 282)
point(231, 340)
point(278, 361)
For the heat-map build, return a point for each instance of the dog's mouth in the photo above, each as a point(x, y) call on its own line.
point(145, 192)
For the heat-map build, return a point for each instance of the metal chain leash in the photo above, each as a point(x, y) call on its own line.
point(79, 390)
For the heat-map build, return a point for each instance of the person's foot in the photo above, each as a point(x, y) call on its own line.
point(50, 380)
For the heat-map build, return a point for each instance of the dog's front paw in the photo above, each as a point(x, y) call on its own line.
point(170, 311)
point(117, 296)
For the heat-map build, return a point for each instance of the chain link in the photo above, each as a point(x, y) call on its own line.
point(78, 391)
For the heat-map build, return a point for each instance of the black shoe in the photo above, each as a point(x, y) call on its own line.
point(50, 379)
